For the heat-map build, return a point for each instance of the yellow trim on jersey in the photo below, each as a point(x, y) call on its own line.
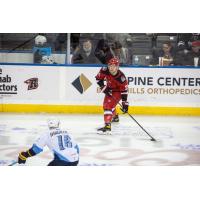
point(80, 109)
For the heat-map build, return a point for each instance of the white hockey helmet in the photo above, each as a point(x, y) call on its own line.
point(53, 123)
point(40, 40)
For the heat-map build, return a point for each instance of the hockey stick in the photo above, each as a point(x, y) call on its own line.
point(152, 138)
point(121, 107)
point(13, 163)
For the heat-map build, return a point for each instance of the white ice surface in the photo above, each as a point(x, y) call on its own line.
point(178, 139)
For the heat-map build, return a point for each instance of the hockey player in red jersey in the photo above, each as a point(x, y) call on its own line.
point(114, 84)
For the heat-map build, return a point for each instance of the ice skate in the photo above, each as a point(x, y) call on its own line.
point(106, 130)
point(115, 118)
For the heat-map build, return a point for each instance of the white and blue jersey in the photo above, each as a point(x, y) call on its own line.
point(60, 143)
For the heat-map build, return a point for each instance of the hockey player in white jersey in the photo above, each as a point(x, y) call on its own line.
point(64, 148)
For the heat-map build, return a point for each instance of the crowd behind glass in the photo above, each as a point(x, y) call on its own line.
point(143, 49)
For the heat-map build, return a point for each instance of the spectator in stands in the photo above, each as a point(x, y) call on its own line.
point(85, 54)
point(103, 51)
point(194, 53)
point(167, 54)
point(181, 52)
point(188, 38)
point(120, 52)
point(94, 37)
point(41, 48)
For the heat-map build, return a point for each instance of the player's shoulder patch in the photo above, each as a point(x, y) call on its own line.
point(123, 78)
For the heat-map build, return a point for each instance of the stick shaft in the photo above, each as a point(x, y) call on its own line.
point(139, 124)
point(13, 163)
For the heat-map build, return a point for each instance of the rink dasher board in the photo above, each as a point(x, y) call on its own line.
point(73, 89)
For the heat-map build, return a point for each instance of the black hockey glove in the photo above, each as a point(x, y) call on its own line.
point(105, 89)
point(25, 154)
point(22, 157)
point(125, 105)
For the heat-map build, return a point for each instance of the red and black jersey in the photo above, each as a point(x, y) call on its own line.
point(117, 83)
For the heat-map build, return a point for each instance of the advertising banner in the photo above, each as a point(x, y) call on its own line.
point(76, 85)
point(147, 86)
point(29, 84)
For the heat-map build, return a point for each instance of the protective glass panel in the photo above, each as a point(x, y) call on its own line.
point(140, 49)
